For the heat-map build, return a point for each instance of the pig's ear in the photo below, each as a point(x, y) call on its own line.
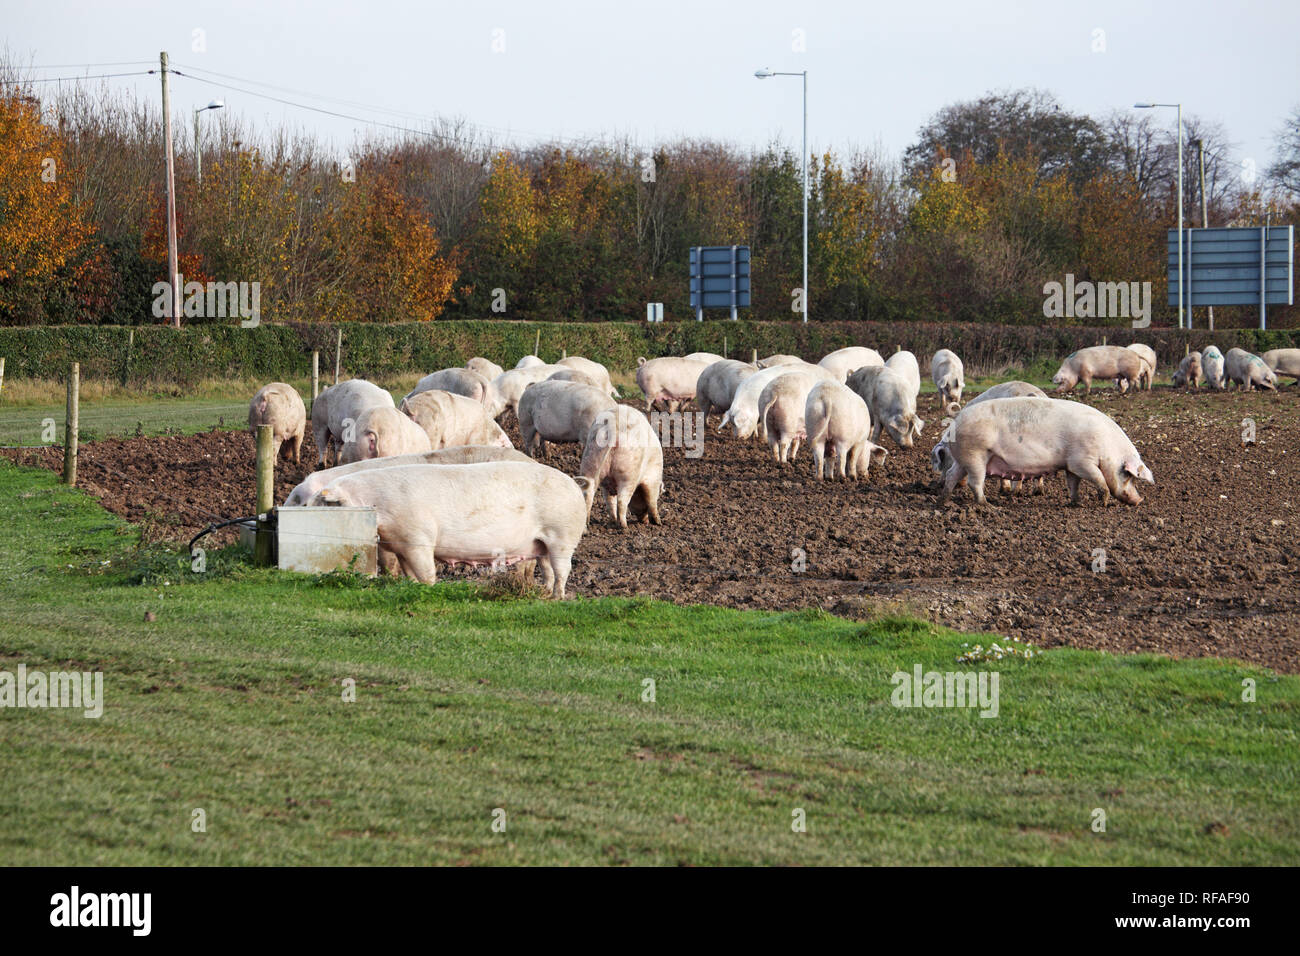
point(1133, 466)
point(877, 453)
point(917, 425)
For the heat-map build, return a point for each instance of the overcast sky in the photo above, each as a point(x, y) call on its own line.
point(659, 70)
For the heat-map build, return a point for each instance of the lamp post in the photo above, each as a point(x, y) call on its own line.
point(763, 75)
point(198, 151)
point(1179, 107)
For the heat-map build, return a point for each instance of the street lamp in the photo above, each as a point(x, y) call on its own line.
point(1179, 106)
point(198, 152)
point(763, 74)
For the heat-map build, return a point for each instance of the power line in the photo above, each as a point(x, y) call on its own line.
point(86, 66)
point(360, 119)
point(71, 79)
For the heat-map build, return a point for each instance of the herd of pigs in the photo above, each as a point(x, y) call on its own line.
point(447, 485)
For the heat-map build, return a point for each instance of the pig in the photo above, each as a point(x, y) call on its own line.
point(668, 380)
point(949, 377)
point(779, 360)
point(940, 460)
point(837, 419)
point(1189, 371)
point(458, 455)
point(1212, 366)
point(573, 375)
point(706, 357)
point(529, 361)
point(382, 432)
point(495, 513)
point(1008, 390)
point(743, 414)
point(781, 406)
point(458, 381)
point(280, 406)
point(1148, 355)
point(891, 401)
point(335, 412)
point(597, 373)
point(718, 383)
point(1098, 361)
point(623, 456)
point(559, 412)
point(1025, 438)
point(450, 419)
point(1284, 362)
point(904, 363)
point(509, 386)
point(1249, 370)
point(844, 362)
point(489, 370)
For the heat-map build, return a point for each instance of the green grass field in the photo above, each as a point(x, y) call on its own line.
point(469, 700)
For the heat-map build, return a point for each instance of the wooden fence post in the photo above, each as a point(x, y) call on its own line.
point(315, 374)
point(126, 365)
point(538, 344)
point(70, 427)
point(262, 549)
point(338, 356)
point(2, 376)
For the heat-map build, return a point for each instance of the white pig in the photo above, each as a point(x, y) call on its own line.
point(837, 420)
point(509, 386)
point(458, 381)
point(844, 362)
point(458, 455)
point(892, 402)
point(904, 363)
point(558, 412)
point(335, 412)
point(1284, 362)
point(383, 432)
point(743, 415)
point(597, 373)
point(706, 357)
point(668, 380)
point(623, 456)
point(488, 369)
point(781, 407)
point(1212, 366)
point(1024, 438)
point(494, 513)
point(450, 419)
point(949, 377)
point(1189, 371)
point(772, 360)
point(1099, 362)
point(1248, 370)
point(1148, 355)
point(280, 406)
point(529, 361)
point(718, 383)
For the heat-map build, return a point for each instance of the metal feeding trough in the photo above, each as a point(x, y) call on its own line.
point(319, 540)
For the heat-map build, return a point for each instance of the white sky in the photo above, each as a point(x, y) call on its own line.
point(663, 69)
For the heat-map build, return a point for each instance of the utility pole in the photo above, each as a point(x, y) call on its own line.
point(1205, 210)
point(172, 269)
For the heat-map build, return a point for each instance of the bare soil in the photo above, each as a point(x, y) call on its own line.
point(1207, 565)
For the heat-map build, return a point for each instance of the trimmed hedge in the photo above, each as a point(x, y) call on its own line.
point(269, 352)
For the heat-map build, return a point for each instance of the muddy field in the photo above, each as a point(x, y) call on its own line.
point(1208, 564)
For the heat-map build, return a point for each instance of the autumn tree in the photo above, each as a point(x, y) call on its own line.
point(49, 259)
